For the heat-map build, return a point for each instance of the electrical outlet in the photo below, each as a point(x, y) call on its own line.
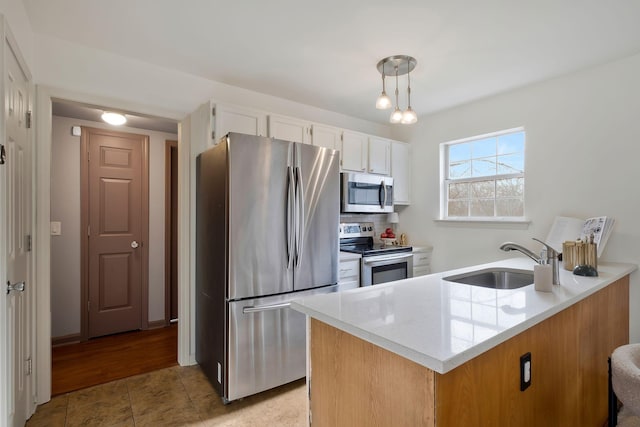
point(525, 371)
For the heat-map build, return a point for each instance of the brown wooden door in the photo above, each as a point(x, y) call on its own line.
point(117, 229)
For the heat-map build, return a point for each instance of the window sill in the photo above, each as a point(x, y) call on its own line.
point(521, 224)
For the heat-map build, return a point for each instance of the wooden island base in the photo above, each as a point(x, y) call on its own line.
point(356, 383)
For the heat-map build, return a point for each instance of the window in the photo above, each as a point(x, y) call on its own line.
point(484, 176)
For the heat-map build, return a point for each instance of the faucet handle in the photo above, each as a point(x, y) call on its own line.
point(550, 251)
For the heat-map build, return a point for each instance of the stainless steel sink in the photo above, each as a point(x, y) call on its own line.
point(496, 278)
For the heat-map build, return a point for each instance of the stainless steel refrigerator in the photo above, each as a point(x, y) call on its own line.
point(267, 233)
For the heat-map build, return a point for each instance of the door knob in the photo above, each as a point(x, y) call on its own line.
point(19, 287)
point(134, 244)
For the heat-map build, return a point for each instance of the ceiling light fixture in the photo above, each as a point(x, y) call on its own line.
point(115, 119)
point(399, 65)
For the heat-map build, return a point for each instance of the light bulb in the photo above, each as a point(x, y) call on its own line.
point(409, 116)
point(115, 119)
point(383, 102)
point(396, 116)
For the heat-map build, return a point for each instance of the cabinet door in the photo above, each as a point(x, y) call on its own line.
point(379, 156)
point(354, 151)
point(401, 172)
point(289, 129)
point(238, 119)
point(325, 136)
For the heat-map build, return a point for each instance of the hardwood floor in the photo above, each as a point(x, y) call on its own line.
point(101, 360)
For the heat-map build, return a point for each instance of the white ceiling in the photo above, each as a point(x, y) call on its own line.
point(324, 53)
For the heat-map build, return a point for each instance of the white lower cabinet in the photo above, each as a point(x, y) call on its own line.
point(422, 260)
point(349, 271)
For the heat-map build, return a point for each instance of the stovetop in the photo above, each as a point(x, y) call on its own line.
point(366, 247)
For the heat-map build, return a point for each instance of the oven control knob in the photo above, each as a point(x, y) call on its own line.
point(370, 228)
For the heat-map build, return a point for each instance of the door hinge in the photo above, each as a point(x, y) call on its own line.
point(28, 366)
point(311, 131)
point(213, 135)
point(27, 239)
point(28, 119)
point(3, 155)
point(213, 111)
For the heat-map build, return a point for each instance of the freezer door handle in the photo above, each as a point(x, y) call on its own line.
point(267, 307)
point(291, 198)
point(300, 217)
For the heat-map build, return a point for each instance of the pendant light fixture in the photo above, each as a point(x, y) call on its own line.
point(383, 102)
point(400, 65)
point(409, 116)
point(396, 116)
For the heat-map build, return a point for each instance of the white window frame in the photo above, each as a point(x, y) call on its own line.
point(444, 181)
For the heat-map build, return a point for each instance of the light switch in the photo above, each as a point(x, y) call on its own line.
point(56, 228)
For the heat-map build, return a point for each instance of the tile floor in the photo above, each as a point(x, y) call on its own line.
point(176, 396)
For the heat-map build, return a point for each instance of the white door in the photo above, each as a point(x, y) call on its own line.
point(16, 230)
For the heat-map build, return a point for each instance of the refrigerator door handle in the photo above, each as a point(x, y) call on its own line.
point(300, 217)
point(291, 197)
point(267, 307)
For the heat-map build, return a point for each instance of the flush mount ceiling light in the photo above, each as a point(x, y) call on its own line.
point(115, 119)
point(398, 65)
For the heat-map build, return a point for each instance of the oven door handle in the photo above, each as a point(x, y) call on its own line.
point(371, 260)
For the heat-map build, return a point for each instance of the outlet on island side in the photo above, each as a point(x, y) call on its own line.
point(525, 371)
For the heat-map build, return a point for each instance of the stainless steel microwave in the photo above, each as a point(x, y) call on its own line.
point(366, 193)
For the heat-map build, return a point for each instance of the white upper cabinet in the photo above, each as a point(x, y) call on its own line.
point(325, 136)
point(354, 151)
point(289, 129)
point(401, 172)
point(379, 156)
point(228, 118)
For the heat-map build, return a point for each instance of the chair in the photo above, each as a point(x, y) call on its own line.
point(625, 376)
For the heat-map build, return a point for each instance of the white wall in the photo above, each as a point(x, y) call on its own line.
point(71, 66)
point(582, 154)
point(16, 15)
point(65, 207)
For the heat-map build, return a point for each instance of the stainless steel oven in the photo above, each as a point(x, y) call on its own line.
point(379, 263)
point(386, 268)
point(366, 193)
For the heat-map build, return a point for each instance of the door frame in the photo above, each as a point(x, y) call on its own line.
point(84, 224)
point(42, 238)
point(168, 218)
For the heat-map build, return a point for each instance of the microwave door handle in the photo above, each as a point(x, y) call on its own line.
point(380, 196)
point(384, 202)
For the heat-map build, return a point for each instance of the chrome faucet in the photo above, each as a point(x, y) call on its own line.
point(552, 257)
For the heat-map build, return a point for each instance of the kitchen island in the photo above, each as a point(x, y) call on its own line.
point(425, 351)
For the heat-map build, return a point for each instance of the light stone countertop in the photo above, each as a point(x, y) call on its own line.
point(440, 324)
